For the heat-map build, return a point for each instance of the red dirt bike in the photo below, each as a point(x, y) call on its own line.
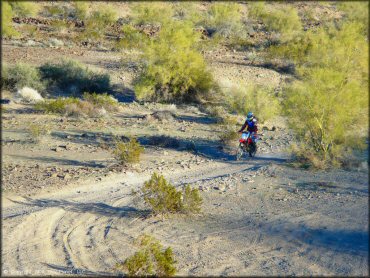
point(247, 144)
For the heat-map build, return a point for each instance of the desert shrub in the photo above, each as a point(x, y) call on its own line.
point(356, 12)
point(24, 8)
point(173, 70)
point(56, 10)
point(283, 20)
point(331, 93)
point(262, 101)
point(225, 20)
point(81, 109)
point(38, 131)
point(153, 13)
point(57, 106)
point(163, 198)
point(101, 100)
point(98, 21)
point(128, 152)
point(151, 260)
point(7, 14)
point(22, 75)
point(81, 9)
point(133, 38)
point(74, 78)
point(229, 135)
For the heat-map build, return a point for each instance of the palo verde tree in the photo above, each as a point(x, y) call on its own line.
point(328, 105)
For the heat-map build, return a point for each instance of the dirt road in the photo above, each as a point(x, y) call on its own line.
point(260, 224)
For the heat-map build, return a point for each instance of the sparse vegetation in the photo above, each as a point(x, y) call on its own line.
point(102, 100)
point(163, 198)
point(57, 106)
point(128, 152)
point(74, 78)
point(22, 75)
point(24, 8)
point(98, 21)
point(38, 131)
point(283, 20)
point(81, 9)
point(243, 98)
point(7, 14)
point(151, 259)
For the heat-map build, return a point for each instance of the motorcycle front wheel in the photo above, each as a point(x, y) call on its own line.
point(239, 152)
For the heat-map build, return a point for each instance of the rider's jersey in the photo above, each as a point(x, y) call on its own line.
point(251, 125)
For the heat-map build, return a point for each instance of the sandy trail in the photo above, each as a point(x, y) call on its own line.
point(87, 229)
point(67, 230)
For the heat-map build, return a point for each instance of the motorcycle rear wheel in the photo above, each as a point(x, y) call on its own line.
point(252, 150)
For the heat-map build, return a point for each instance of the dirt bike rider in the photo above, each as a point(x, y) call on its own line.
point(251, 122)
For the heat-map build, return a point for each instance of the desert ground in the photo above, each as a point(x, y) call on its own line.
point(67, 207)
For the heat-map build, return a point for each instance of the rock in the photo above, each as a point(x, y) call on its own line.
point(220, 187)
point(67, 177)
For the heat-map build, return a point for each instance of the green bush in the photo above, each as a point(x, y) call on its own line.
point(74, 78)
point(57, 106)
point(225, 20)
point(282, 19)
point(97, 23)
point(101, 100)
point(56, 10)
point(22, 75)
point(151, 260)
point(128, 152)
point(163, 198)
point(7, 14)
point(173, 70)
point(356, 12)
point(38, 131)
point(262, 101)
point(153, 13)
point(330, 99)
point(24, 8)
point(81, 9)
point(133, 38)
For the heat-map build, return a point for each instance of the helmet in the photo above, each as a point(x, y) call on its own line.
point(250, 116)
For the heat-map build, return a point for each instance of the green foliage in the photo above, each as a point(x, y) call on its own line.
point(173, 70)
point(225, 20)
point(97, 23)
point(133, 38)
point(191, 201)
point(57, 106)
point(330, 101)
point(38, 131)
point(24, 8)
point(151, 259)
point(21, 75)
point(229, 135)
point(102, 100)
point(128, 152)
point(153, 13)
point(81, 9)
point(283, 19)
point(163, 197)
point(56, 11)
point(356, 12)
point(262, 101)
point(74, 78)
point(6, 20)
